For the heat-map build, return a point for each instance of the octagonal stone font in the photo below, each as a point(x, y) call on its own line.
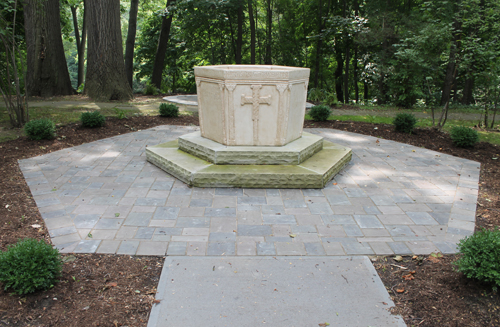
point(251, 104)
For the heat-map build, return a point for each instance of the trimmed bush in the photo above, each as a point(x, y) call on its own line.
point(169, 110)
point(480, 256)
point(404, 122)
point(40, 129)
point(320, 113)
point(29, 266)
point(464, 137)
point(92, 119)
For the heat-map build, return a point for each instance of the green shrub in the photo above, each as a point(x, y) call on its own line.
point(480, 256)
point(150, 89)
point(40, 129)
point(92, 119)
point(404, 122)
point(320, 113)
point(169, 110)
point(464, 137)
point(29, 266)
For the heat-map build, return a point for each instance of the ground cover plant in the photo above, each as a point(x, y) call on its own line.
point(97, 290)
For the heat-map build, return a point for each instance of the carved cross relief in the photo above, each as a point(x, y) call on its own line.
point(255, 100)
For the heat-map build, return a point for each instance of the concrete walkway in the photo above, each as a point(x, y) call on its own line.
point(391, 199)
point(271, 291)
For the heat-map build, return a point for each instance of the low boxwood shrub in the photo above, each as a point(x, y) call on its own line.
point(404, 122)
point(464, 137)
point(320, 112)
point(480, 256)
point(40, 129)
point(29, 266)
point(92, 119)
point(169, 110)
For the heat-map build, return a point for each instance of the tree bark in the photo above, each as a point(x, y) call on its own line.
point(129, 45)
point(450, 76)
point(468, 88)
point(47, 72)
point(239, 37)
point(319, 45)
point(346, 73)
point(268, 60)
point(161, 50)
point(106, 79)
point(252, 32)
point(338, 77)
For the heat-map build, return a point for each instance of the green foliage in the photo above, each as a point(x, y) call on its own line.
point(320, 113)
point(316, 94)
point(40, 129)
point(464, 137)
point(29, 265)
point(480, 256)
point(169, 110)
point(120, 113)
point(404, 122)
point(150, 89)
point(92, 119)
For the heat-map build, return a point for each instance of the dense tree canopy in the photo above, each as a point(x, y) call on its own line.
point(401, 52)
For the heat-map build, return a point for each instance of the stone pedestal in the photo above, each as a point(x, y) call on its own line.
point(251, 105)
point(251, 120)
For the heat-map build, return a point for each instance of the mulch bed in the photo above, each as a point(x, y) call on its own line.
point(111, 290)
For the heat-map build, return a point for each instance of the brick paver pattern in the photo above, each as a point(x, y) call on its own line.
point(392, 198)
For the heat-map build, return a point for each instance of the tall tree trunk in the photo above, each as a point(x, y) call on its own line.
point(268, 60)
point(239, 37)
point(161, 50)
point(80, 42)
point(47, 72)
point(319, 44)
point(252, 32)
point(450, 76)
point(129, 45)
point(106, 79)
point(338, 77)
point(355, 72)
point(468, 88)
point(346, 73)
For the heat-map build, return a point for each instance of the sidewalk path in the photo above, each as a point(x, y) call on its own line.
point(392, 198)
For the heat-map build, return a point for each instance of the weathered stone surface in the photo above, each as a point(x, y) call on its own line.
point(315, 172)
point(293, 153)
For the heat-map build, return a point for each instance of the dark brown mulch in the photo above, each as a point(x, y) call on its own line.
point(109, 290)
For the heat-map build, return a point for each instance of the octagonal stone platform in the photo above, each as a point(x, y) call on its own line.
point(293, 153)
point(314, 172)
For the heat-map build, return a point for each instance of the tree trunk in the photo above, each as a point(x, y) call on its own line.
point(80, 43)
point(106, 79)
point(468, 88)
point(338, 78)
point(355, 72)
point(161, 50)
point(268, 60)
point(47, 71)
point(450, 76)
point(239, 37)
point(252, 32)
point(319, 45)
point(129, 45)
point(346, 74)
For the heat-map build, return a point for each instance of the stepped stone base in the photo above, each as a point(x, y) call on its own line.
point(314, 172)
point(293, 153)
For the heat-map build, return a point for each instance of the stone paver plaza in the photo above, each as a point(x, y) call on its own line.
point(392, 198)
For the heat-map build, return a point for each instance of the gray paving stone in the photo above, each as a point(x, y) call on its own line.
point(446, 247)
point(86, 221)
point(140, 219)
point(222, 237)
point(145, 233)
point(162, 185)
point(152, 248)
point(338, 219)
point(314, 249)
point(105, 223)
point(221, 248)
point(87, 246)
point(295, 204)
point(177, 248)
point(220, 212)
point(273, 209)
point(422, 218)
point(193, 222)
point(352, 230)
point(278, 219)
point(383, 200)
point(399, 248)
point(128, 247)
point(166, 213)
point(290, 248)
point(442, 217)
point(312, 192)
point(229, 191)
point(368, 221)
point(108, 247)
point(254, 230)
point(320, 209)
point(265, 248)
point(153, 202)
point(201, 203)
point(252, 200)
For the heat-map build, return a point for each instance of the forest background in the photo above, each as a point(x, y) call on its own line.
point(404, 53)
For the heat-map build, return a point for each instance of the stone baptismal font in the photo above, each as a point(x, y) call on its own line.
point(251, 133)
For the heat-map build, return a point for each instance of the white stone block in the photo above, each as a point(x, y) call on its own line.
point(251, 104)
